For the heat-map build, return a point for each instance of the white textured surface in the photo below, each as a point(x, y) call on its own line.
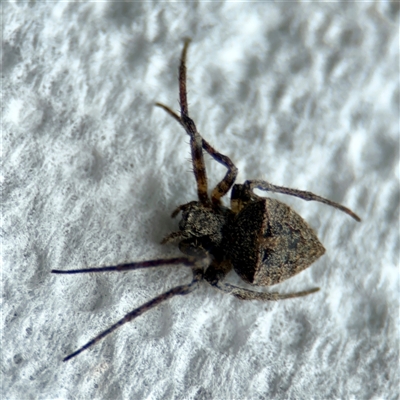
point(303, 95)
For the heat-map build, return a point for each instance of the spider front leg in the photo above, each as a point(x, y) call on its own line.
point(197, 266)
point(229, 179)
point(196, 145)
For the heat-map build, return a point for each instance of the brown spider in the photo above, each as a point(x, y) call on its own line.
point(262, 239)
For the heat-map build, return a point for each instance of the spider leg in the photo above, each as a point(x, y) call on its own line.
point(190, 262)
point(196, 145)
point(196, 141)
point(172, 113)
point(308, 196)
point(246, 294)
point(229, 179)
point(176, 291)
point(217, 271)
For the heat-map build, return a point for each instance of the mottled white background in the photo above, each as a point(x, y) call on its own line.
point(304, 95)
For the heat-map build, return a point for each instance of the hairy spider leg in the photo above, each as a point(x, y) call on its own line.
point(182, 79)
point(196, 146)
point(229, 179)
point(308, 196)
point(176, 291)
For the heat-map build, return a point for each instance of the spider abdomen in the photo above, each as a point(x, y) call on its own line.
point(269, 243)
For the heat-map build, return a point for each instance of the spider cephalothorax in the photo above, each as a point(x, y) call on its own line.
point(262, 239)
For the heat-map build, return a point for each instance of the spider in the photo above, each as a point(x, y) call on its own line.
point(262, 239)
